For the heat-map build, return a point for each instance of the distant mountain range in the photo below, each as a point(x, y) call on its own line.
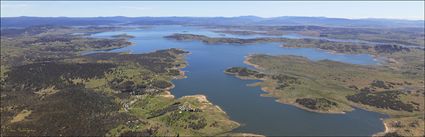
point(242, 20)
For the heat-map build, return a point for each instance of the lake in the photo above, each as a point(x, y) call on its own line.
point(259, 115)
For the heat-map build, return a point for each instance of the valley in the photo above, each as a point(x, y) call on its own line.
point(208, 80)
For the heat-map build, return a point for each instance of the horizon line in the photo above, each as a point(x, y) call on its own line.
point(213, 17)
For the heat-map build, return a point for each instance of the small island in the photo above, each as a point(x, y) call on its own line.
point(333, 46)
point(220, 40)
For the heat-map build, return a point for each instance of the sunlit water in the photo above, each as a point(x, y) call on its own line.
point(260, 115)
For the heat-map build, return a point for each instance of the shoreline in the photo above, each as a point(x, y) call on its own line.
point(379, 59)
point(269, 92)
point(387, 129)
point(297, 105)
point(246, 61)
point(181, 75)
point(200, 97)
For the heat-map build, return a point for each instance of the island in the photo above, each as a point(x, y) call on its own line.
point(219, 40)
point(339, 47)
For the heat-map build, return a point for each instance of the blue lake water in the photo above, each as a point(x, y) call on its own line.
point(260, 115)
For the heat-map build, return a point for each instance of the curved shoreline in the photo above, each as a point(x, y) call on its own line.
point(249, 57)
point(270, 92)
point(248, 63)
point(295, 104)
point(202, 99)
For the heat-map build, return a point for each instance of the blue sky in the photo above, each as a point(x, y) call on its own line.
point(348, 9)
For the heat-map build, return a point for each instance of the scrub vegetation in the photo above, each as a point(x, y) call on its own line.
point(49, 89)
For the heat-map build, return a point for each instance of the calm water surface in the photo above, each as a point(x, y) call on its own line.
point(260, 115)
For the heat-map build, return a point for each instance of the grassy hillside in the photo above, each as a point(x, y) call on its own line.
point(333, 87)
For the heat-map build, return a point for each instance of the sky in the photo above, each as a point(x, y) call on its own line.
point(413, 10)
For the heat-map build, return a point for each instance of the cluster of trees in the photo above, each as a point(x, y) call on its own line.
point(385, 100)
point(387, 48)
point(245, 72)
point(127, 87)
point(69, 112)
point(190, 121)
point(170, 108)
point(199, 124)
point(159, 62)
point(42, 75)
point(381, 84)
point(32, 30)
point(284, 81)
point(145, 133)
point(316, 103)
point(69, 43)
